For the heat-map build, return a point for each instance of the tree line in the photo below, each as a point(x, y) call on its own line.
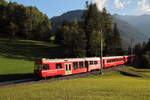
point(142, 52)
point(83, 38)
point(27, 22)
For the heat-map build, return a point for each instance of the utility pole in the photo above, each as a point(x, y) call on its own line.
point(132, 40)
point(101, 52)
point(131, 46)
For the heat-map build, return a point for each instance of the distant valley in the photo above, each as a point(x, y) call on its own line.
point(135, 28)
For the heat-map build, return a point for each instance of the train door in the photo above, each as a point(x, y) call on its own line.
point(87, 65)
point(68, 69)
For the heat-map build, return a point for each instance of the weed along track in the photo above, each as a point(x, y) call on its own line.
point(32, 80)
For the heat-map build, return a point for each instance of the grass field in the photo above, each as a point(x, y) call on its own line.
point(110, 86)
point(17, 56)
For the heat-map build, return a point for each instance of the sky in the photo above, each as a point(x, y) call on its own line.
point(57, 7)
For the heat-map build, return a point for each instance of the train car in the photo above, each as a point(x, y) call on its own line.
point(113, 61)
point(60, 67)
point(130, 59)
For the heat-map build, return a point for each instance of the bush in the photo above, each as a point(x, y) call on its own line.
point(146, 60)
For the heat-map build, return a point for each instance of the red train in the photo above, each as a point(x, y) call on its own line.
point(59, 67)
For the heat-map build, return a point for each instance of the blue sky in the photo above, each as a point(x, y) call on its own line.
point(58, 7)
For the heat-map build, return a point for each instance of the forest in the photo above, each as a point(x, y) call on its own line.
point(18, 21)
point(79, 38)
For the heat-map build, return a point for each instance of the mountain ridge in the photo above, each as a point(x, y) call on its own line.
point(127, 30)
point(141, 22)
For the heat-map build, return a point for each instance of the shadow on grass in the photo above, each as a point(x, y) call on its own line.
point(13, 77)
point(129, 73)
point(29, 50)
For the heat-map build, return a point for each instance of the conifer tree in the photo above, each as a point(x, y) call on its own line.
point(107, 32)
point(116, 42)
point(91, 27)
point(73, 39)
point(148, 45)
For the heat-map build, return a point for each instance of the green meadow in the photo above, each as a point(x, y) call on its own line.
point(110, 86)
point(18, 56)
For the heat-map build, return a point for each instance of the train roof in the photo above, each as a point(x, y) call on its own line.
point(69, 59)
point(80, 59)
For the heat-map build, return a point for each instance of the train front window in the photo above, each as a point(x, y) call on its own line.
point(38, 67)
point(46, 67)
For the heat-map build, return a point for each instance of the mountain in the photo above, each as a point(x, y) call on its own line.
point(128, 31)
point(69, 16)
point(140, 22)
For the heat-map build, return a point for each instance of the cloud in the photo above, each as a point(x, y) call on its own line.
point(144, 6)
point(120, 4)
point(100, 4)
point(128, 2)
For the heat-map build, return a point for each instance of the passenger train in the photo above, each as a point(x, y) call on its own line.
point(45, 67)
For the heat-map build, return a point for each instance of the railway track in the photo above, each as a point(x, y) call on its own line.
point(34, 80)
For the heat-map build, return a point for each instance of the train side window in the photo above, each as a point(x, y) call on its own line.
point(95, 62)
point(58, 66)
point(46, 67)
point(81, 65)
point(75, 65)
point(108, 61)
point(69, 66)
point(91, 62)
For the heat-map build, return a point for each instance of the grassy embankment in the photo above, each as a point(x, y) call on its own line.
point(17, 56)
point(110, 86)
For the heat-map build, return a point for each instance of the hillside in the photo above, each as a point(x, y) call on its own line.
point(127, 30)
point(18, 56)
point(72, 15)
point(140, 22)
